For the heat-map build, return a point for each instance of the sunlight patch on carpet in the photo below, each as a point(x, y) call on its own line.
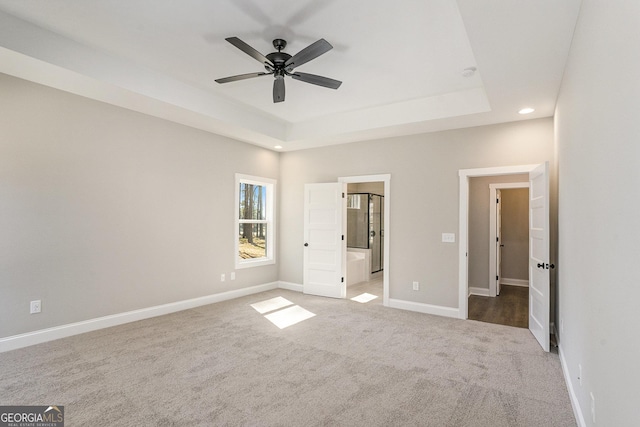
point(364, 298)
point(271, 304)
point(289, 316)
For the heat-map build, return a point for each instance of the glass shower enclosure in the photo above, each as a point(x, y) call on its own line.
point(365, 221)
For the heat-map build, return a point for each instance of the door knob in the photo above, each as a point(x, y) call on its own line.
point(306, 244)
point(540, 265)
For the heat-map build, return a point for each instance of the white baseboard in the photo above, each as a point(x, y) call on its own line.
point(290, 286)
point(483, 292)
point(514, 282)
point(438, 310)
point(50, 334)
point(577, 411)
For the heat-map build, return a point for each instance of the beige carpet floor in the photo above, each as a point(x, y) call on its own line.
point(352, 364)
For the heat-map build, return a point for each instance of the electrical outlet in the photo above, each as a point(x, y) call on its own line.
point(36, 307)
point(222, 278)
point(580, 374)
point(416, 286)
point(233, 275)
point(593, 408)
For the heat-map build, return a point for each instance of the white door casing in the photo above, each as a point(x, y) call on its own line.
point(498, 239)
point(325, 246)
point(539, 264)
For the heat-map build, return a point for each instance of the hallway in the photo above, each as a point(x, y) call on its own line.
point(510, 308)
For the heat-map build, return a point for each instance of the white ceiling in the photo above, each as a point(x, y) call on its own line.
point(401, 63)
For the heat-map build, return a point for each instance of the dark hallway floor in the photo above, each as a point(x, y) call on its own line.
point(510, 308)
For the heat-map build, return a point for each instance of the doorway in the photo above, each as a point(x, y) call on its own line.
point(539, 244)
point(325, 228)
point(504, 238)
point(376, 232)
point(508, 235)
point(365, 239)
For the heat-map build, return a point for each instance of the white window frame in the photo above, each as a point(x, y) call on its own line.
point(270, 214)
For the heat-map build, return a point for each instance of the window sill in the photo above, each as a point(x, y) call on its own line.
point(254, 263)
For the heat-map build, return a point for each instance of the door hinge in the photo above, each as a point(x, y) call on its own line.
point(343, 195)
point(497, 239)
point(342, 280)
point(343, 237)
point(497, 200)
point(496, 277)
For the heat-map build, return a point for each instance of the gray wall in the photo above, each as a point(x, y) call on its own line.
point(424, 196)
point(598, 138)
point(515, 234)
point(479, 214)
point(104, 210)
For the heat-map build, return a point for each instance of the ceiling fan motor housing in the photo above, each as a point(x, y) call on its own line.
point(278, 58)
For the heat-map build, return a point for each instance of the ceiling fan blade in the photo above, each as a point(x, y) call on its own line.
point(308, 53)
point(248, 50)
point(240, 77)
point(317, 80)
point(278, 90)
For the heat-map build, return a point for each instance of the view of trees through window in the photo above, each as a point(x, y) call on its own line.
point(253, 224)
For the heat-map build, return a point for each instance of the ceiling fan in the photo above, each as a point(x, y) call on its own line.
point(280, 64)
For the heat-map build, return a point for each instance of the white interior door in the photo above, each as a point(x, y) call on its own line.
point(325, 245)
point(539, 290)
point(498, 239)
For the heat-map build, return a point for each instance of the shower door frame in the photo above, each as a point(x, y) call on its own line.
point(371, 245)
point(380, 248)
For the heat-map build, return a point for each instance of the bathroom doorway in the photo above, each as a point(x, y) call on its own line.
point(367, 236)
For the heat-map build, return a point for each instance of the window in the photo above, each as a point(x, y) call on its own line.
point(255, 202)
point(353, 201)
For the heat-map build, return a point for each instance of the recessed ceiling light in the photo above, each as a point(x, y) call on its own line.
point(278, 147)
point(527, 110)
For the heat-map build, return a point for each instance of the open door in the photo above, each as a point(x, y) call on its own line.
point(325, 246)
point(539, 290)
point(499, 244)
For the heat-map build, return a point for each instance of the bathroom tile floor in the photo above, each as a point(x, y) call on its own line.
point(373, 287)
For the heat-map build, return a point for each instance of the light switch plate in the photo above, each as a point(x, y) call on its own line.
point(449, 237)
